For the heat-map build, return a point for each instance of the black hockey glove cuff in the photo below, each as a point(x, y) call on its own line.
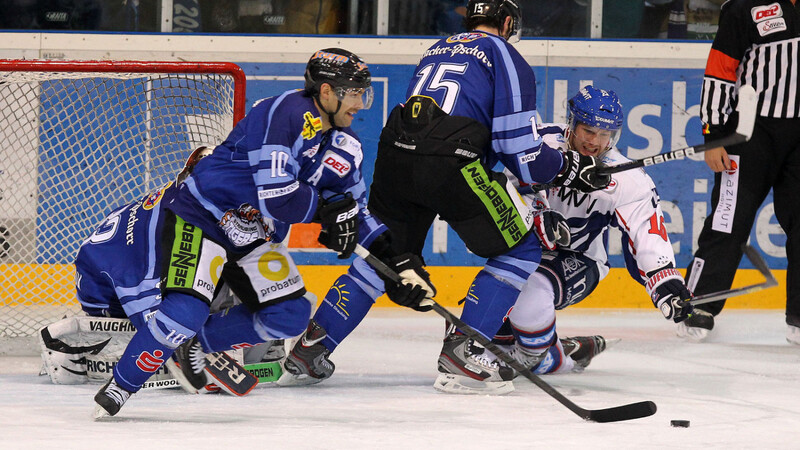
point(339, 218)
point(416, 284)
point(581, 172)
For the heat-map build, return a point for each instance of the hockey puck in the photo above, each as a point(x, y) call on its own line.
point(679, 423)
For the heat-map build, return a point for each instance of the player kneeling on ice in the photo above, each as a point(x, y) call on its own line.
point(117, 277)
point(572, 225)
point(118, 274)
point(295, 159)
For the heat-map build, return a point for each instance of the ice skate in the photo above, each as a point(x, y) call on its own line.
point(793, 330)
point(696, 327)
point(582, 349)
point(466, 368)
point(187, 364)
point(109, 399)
point(308, 361)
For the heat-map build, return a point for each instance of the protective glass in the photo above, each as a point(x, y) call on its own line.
point(352, 96)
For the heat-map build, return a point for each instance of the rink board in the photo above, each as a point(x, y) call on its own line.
point(617, 290)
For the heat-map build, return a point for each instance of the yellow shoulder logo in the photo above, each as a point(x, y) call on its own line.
point(311, 125)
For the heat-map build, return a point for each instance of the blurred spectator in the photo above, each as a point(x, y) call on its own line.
point(622, 18)
point(680, 19)
point(274, 16)
point(702, 18)
point(554, 18)
point(448, 17)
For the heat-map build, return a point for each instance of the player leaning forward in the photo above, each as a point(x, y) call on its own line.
point(295, 159)
point(571, 269)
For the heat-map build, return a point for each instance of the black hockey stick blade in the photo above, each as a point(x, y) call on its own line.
point(615, 414)
point(744, 130)
point(758, 263)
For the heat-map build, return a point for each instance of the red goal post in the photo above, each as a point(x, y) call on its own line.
point(80, 138)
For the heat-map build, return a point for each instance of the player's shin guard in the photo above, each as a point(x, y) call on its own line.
point(344, 307)
point(239, 327)
point(487, 303)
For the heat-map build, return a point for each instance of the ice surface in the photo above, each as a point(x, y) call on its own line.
point(739, 390)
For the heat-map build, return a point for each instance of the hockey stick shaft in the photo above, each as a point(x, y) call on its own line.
point(759, 264)
point(616, 414)
point(744, 130)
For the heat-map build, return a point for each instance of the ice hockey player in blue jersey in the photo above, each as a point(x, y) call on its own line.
point(118, 267)
point(292, 159)
point(472, 103)
point(576, 255)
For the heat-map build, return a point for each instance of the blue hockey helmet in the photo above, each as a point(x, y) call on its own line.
point(497, 11)
point(596, 108)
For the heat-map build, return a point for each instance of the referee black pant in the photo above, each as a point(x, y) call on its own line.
point(770, 160)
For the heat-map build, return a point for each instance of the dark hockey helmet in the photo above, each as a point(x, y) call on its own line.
point(597, 108)
point(497, 11)
point(343, 70)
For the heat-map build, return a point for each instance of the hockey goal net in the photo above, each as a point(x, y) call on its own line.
point(79, 138)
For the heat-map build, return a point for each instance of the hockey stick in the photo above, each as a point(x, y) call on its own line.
point(758, 263)
point(744, 130)
point(615, 414)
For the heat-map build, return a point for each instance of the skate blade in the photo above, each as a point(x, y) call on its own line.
point(458, 384)
point(177, 373)
point(99, 413)
point(288, 379)
point(693, 334)
point(610, 342)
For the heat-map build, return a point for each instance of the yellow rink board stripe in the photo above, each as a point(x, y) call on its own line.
point(24, 284)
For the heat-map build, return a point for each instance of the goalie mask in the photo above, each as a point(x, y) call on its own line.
point(497, 11)
point(346, 73)
point(594, 121)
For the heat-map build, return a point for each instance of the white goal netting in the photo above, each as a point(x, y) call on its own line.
point(79, 138)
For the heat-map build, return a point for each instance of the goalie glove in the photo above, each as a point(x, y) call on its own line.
point(668, 291)
point(415, 287)
point(581, 172)
point(552, 229)
point(339, 219)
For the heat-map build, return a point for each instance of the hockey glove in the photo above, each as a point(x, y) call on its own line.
point(581, 172)
point(339, 219)
point(416, 284)
point(552, 229)
point(668, 291)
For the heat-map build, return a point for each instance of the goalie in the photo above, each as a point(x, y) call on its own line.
point(117, 273)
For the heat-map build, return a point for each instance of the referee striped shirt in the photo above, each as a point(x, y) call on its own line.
point(757, 44)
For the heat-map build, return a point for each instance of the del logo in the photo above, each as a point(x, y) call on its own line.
point(150, 363)
point(153, 199)
point(766, 12)
point(733, 168)
point(464, 37)
point(311, 125)
point(336, 163)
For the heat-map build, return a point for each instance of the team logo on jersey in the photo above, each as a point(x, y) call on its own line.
point(154, 198)
point(311, 125)
point(465, 37)
point(336, 163)
point(244, 225)
point(341, 303)
point(766, 12)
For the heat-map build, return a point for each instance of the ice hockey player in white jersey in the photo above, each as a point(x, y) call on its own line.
point(572, 266)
